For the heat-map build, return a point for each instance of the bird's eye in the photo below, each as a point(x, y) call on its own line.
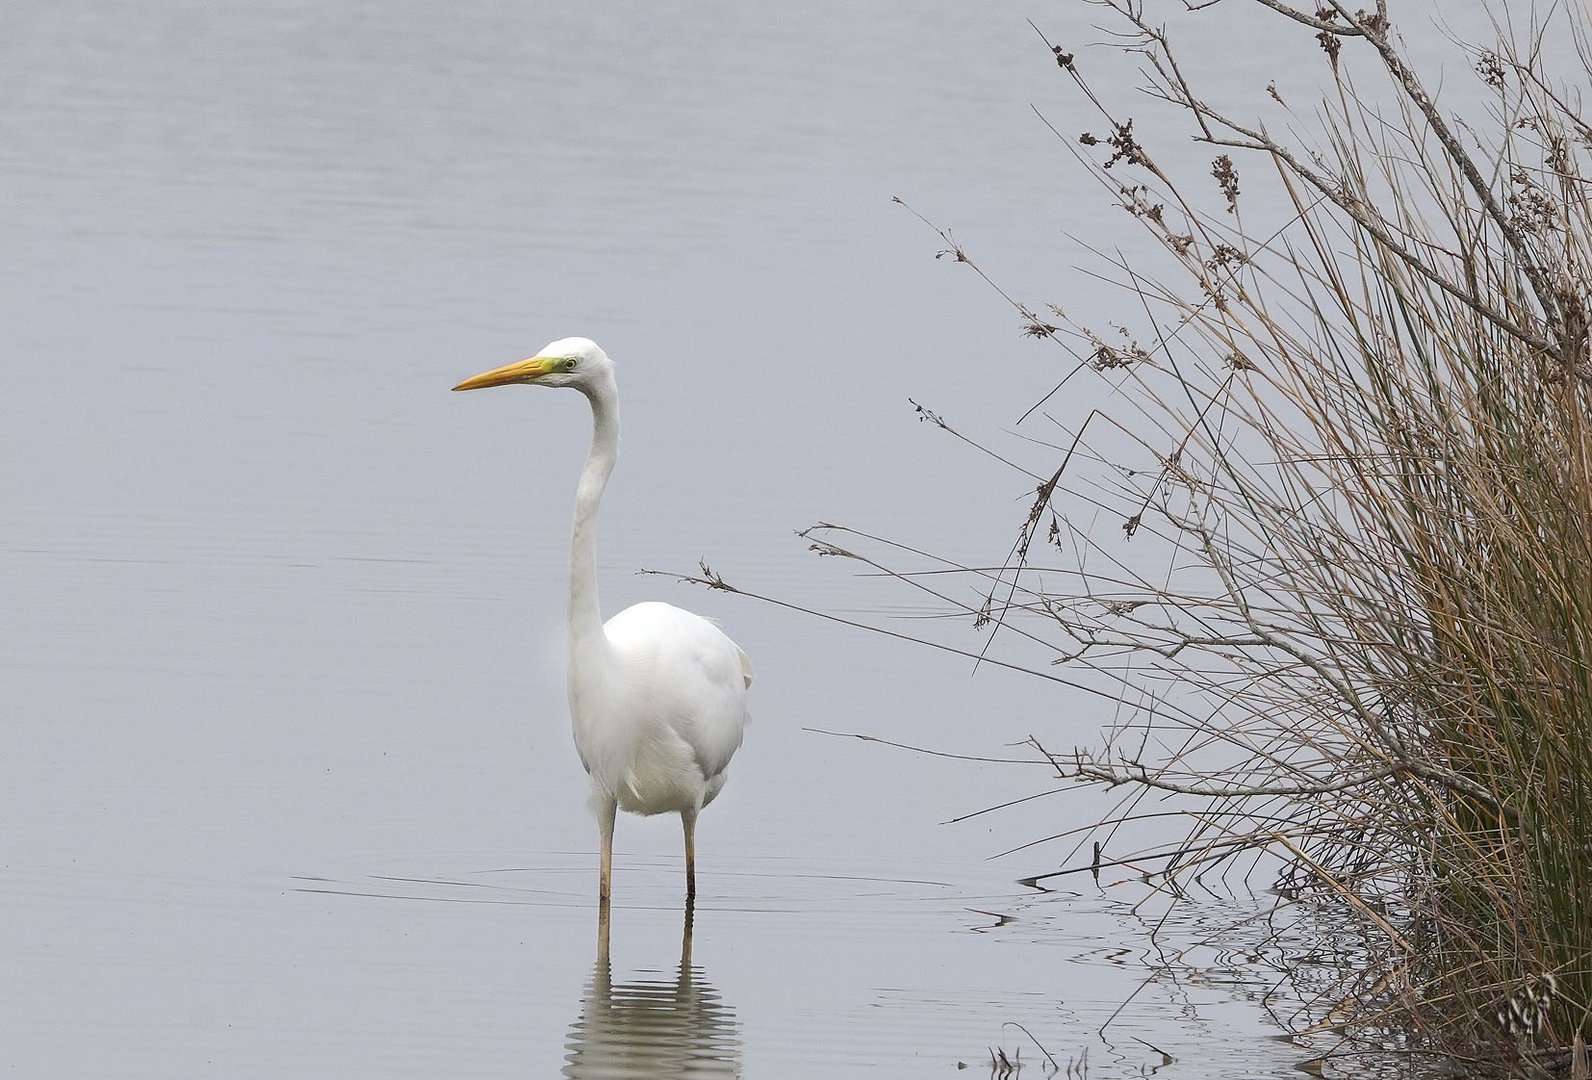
point(569, 363)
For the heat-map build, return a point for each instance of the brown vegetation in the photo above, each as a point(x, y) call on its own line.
point(1360, 437)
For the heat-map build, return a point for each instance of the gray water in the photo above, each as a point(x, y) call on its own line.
point(287, 777)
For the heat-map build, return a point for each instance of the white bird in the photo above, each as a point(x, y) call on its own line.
point(657, 695)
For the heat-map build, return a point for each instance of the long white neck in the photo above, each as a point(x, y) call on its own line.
point(586, 638)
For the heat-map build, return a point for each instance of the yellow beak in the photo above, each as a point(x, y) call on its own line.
point(520, 371)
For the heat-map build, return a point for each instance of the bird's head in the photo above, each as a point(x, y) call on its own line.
point(575, 362)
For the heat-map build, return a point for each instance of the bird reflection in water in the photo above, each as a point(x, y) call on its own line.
point(653, 1028)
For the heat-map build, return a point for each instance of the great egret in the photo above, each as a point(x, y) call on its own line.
point(657, 695)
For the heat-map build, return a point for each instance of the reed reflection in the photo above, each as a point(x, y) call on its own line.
point(652, 1028)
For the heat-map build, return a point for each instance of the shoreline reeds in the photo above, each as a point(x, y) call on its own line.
point(1359, 436)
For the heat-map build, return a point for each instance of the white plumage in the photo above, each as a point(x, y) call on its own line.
point(681, 684)
point(657, 695)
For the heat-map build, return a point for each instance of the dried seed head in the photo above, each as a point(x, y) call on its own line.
point(1331, 44)
point(1224, 255)
point(1535, 210)
point(1227, 179)
point(1491, 70)
point(1124, 147)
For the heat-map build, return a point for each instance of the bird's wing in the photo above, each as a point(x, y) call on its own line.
point(746, 666)
point(688, 675)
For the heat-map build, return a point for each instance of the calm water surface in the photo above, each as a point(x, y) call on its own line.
point(287, 775)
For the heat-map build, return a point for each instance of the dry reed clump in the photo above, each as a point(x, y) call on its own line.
point(1357, 440)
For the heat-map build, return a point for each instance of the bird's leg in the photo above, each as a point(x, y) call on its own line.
point(605, 859)
point(688, 820)
point(602, 935)
point(685, 939)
